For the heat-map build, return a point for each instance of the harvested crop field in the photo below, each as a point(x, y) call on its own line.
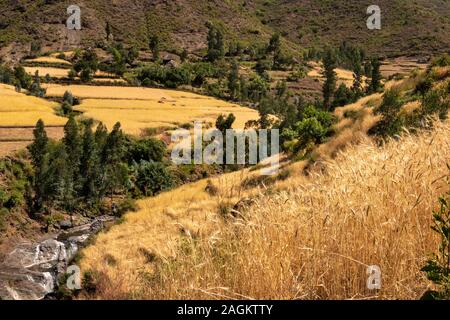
point(18, 116)
point(19, 110)
point(141, 108)
point(60, 72)
point(52, 60)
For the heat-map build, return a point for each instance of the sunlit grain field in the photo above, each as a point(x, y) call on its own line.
point(52, 72)
point(141, 108)
point(307, 237)
point(59, 72)
point(343, 75)
point(48, 60)
point(18, 109)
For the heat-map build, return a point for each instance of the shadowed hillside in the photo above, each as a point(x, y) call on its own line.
point(407, 27)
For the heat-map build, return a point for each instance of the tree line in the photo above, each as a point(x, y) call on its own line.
point(88, 167)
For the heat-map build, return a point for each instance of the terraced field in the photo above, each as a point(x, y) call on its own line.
point(19, 114)
point(49, 60)
point(343, 75)
point(19, 110)
point(141, 108)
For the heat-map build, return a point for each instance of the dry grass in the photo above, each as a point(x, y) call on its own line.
point(343, 75)
point(141, 108)
point(63, 73)
point(301, 238)
point(52, 72)
point(18, 109)
point(49, 60)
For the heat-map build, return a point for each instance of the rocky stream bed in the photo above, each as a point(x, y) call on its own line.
point(31, 271)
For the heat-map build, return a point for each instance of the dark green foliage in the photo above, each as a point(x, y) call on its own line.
point(35, 88)
point(14, 174)
point(280, 60)
point(108, 31)
point(329, 64)
point(375, 83)
point(438, 268)
point(35, 48)
point(149, 149)
point(68, 97)
point(274, 43)
point(154, 44)
point(119, 63)
point(153, 178)
point(343, 96)
point(184, 55)
point(85, 167)
point(216, 47)
point(22, 77)
point(154, 75)
point(38, 151)
point(233, 81)
point(435, 102)
point(313, 127)
point(357, 81)
point(257, 88)
point(262, 66)
point(390, 123)
point(86, 65)
point(39, 146)
point(442, 61)
point(424, 86)
point(90, 167)
point(225, 123)
point(6, 75)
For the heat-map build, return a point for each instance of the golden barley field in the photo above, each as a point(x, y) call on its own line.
point(18, 109)
point(343, 75)
point(141, 108)
point(62, 73)
point(52, 72)
point(302, 237)
point(50, 59)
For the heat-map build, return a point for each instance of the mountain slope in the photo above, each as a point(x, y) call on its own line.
point(418, 27)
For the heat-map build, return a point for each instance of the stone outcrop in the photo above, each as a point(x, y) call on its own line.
point(31, 270)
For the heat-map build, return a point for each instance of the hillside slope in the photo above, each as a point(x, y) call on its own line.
point(418, 27)
point(302, 238)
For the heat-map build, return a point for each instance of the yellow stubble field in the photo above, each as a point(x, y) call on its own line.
point(63, 73)
point(48, 60)
point(18, 109)
point(18, 115)
point(141, 108)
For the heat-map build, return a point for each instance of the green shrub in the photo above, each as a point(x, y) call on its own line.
point(438, 268)
point(16, 199)
point(435, 103)
point(390, 123)
point(148, 149)
point(442, 61)
point(313, 128)
point(153, 178)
